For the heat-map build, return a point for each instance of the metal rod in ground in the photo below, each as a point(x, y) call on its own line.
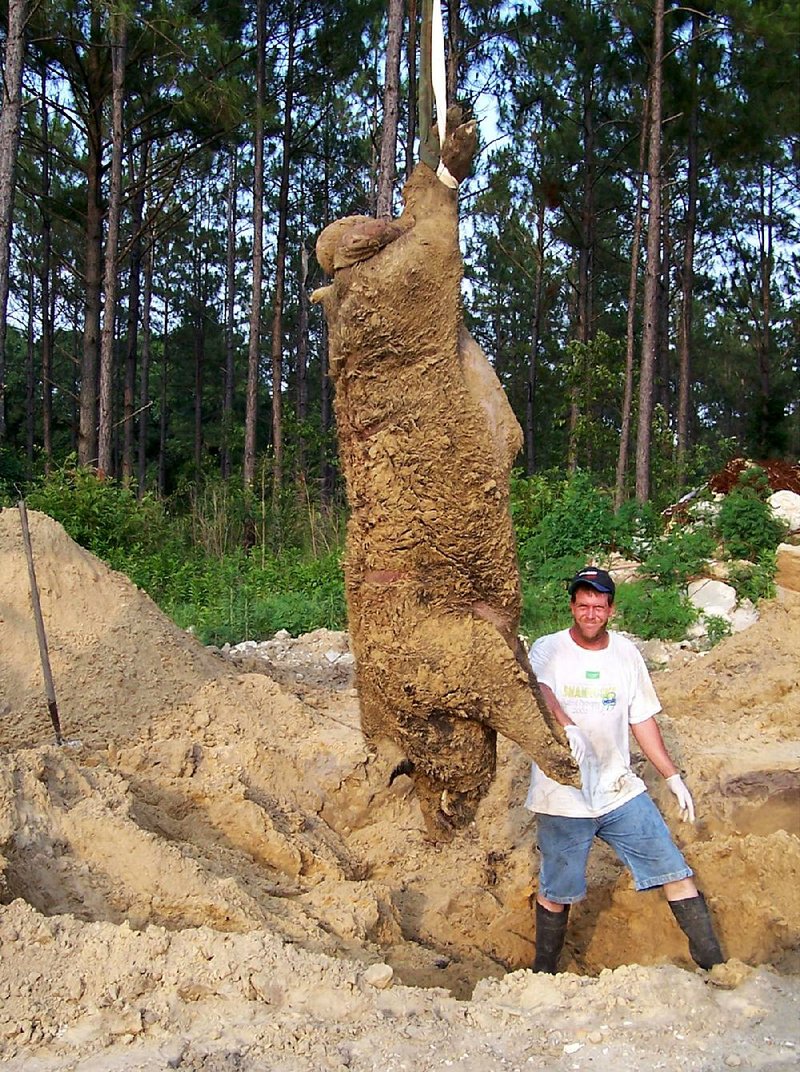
point(41, 636)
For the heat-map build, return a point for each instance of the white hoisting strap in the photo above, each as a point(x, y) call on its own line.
point(439, 79)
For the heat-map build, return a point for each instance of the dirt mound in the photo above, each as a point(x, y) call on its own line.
point(781, 475)
point(220, 876)
point(116, 659)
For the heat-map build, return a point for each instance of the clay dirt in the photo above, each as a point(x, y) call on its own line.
point(214, 872)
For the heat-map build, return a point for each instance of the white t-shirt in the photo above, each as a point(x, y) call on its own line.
point(603, 692)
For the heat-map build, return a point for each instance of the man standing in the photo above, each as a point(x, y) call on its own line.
point(597, 686)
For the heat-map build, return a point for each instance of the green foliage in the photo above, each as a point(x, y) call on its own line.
point(579, 523)
point(717, 628)
point(650, 611)
point(532, 497)
point(191, 566)
point(635, 528)
point(244, 597)
point(569, 523)
point(746, 522)
point(755, 580)
point(679, 555)
point(596, 371)
point(545, 603)
point(12, 476)
point(101, 515)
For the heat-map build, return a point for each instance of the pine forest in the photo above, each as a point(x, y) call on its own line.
point(630, 233)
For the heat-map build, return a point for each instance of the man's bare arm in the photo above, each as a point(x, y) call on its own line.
point(648, 737)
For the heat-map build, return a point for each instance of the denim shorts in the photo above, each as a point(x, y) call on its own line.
point(635, 831)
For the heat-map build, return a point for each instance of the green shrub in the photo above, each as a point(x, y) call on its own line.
point(746, 523)
point(545, 603)
point(679, 555)
point(103, 516)
point(192, 570)
point(755, 581)
point(635, 527)
point(532, 497)
point(579, 523)
point(717, 628)
point(652, 612)
point(13, 477)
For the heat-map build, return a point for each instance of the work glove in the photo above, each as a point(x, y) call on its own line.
point(684, 797)
point(578, 744)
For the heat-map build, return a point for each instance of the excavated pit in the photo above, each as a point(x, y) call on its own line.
point(196, 799)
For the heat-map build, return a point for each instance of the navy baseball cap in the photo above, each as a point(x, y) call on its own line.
point(595, 578)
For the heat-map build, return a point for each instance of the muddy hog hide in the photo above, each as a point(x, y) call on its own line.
point(427, 439)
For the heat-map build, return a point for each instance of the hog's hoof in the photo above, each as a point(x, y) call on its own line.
point(445, 810)
point(561, 768)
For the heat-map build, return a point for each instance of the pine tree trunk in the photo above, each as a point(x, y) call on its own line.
point(9, 145)
point(325, 408)
point(387, 166)
point(536, 331)
point(199, 351)
point(653, 266)
point(584, 330)
point(144, 376)
point(230, 305)
point(75, 393)
point(411, 98)
point(30, 379)
point(87, 434)
point(163, 418)
point(280, 272)
point(134, 316)
point(684, 327)
point(663, 370)
point(687, 270)
point(763, 334)
point(302, 358)
point(47, 312)
point(630, 329)
point(254, 343)
point(453, 49)
point(104, 459)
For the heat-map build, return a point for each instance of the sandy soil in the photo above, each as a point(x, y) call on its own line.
point(213, 873)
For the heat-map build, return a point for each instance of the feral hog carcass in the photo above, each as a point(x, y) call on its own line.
point(427, 439)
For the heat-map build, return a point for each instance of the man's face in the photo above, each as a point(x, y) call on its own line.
point(591, 612)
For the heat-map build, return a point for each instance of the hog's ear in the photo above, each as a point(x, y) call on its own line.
point(366, 239)
point(331, 238)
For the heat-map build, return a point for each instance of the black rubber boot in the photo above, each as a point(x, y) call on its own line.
point(694, 920)
point(551, 929)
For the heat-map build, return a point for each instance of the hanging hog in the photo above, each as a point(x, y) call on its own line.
point(427, 439)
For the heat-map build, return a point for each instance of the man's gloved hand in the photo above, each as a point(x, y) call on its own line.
point(684, 797)
point(578, 744)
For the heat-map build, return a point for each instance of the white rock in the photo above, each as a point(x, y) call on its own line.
point(655, 653)
point(379, 975)
point(786, 506)
point(712, 597)
point(282, 634)
point(333, 656)
point(744, 616)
